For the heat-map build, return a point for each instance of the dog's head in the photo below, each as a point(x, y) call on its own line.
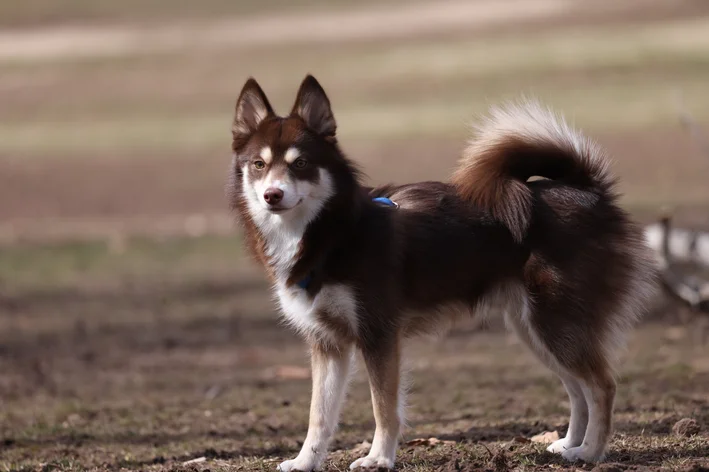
point(286, 168)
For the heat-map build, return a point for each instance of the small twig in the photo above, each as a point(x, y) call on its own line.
point(197, 460)
point(488, 450)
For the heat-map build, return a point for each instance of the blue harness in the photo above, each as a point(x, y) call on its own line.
point(305, 282)
point(385, 201)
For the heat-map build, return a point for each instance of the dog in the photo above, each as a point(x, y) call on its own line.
point(361, 268)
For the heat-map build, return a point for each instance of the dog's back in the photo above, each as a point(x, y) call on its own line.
point(568, 262)
point(349, 273)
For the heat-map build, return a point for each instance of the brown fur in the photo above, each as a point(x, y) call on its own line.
point(569, 260)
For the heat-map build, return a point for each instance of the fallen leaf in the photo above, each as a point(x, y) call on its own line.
point(547, 437)
point(675, 333)
point(288, 372)
point(195, 461)
point(427, 442)
point(362, 448)
point(521, 439)
point(686, 427)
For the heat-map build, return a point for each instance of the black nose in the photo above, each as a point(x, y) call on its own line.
point(273, 195)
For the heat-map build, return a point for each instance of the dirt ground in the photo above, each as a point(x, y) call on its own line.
point(151, 376)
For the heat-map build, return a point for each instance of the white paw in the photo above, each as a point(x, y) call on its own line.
point(373, 461)
point(582, 453)
point(304, 464)
point(560, 445)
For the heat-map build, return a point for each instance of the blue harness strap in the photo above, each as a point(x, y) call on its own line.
point(385, 201)
point(305, 282)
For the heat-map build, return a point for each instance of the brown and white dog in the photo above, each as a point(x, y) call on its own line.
point(352, 273)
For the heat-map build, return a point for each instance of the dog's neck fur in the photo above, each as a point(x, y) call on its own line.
point(294, 243)
point(297, 244)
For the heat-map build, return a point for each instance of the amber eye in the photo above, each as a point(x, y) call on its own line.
point(259, 164)
point(300, 163)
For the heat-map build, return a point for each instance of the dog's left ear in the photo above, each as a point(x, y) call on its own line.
point(313, 106)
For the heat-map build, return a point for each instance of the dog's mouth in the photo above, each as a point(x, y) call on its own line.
point(279, 210)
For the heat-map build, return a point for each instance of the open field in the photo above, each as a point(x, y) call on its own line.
point(134, 335)
point(145, 377)
point(111, 138)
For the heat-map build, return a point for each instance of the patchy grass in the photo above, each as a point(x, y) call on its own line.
point(123, 259)
point(149, 395)
point(177, 354)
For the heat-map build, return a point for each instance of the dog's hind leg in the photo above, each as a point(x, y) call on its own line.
point(579, 361)
point(383, 367)
point(599, 391)
point(518, 320)
point(579, 415)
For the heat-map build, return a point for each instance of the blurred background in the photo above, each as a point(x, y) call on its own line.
point(133, 330)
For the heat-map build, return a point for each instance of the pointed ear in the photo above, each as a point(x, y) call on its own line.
point(313, 106)
point(252, 108)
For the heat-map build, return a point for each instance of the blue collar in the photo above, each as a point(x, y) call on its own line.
point(304, 283)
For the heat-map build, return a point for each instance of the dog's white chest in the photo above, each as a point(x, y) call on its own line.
point(334, 305)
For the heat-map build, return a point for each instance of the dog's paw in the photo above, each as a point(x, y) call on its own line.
point(301, 464)
point(582, 453)
point(373, 461)
point(560, 445)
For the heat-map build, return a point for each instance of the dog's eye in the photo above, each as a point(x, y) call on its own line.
point(259, 164)
point(300, 163)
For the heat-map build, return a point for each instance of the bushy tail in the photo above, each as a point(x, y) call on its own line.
point(516, 142)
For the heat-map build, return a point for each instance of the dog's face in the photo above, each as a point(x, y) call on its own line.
point(284, 165)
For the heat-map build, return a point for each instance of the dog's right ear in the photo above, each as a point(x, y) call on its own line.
point(252, 108)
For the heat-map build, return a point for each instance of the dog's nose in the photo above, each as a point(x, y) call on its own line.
point(273, 195)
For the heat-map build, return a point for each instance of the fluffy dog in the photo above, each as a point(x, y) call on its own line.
point(358, 268)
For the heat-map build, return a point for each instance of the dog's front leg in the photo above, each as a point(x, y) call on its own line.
point(383, 363)
point(331, 366)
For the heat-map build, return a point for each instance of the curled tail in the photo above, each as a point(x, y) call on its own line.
point(517, 142)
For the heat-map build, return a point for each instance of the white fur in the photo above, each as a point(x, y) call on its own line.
point(295, 193)
point(332, 388)
point(300, 310)
point(592, 449)
point(385, 443)
point(266, 154)
point(291, 155)
point(383, 450)
point(532, 122)
point(583, 437)
point(283, 233)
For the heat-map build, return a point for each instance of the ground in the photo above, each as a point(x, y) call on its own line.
point(135, 335)
point(146, 378)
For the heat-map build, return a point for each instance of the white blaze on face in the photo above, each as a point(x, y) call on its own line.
point(291, 155)
point(283, 231)
point(267, 155)
point(305, 195)
point(294, 191)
